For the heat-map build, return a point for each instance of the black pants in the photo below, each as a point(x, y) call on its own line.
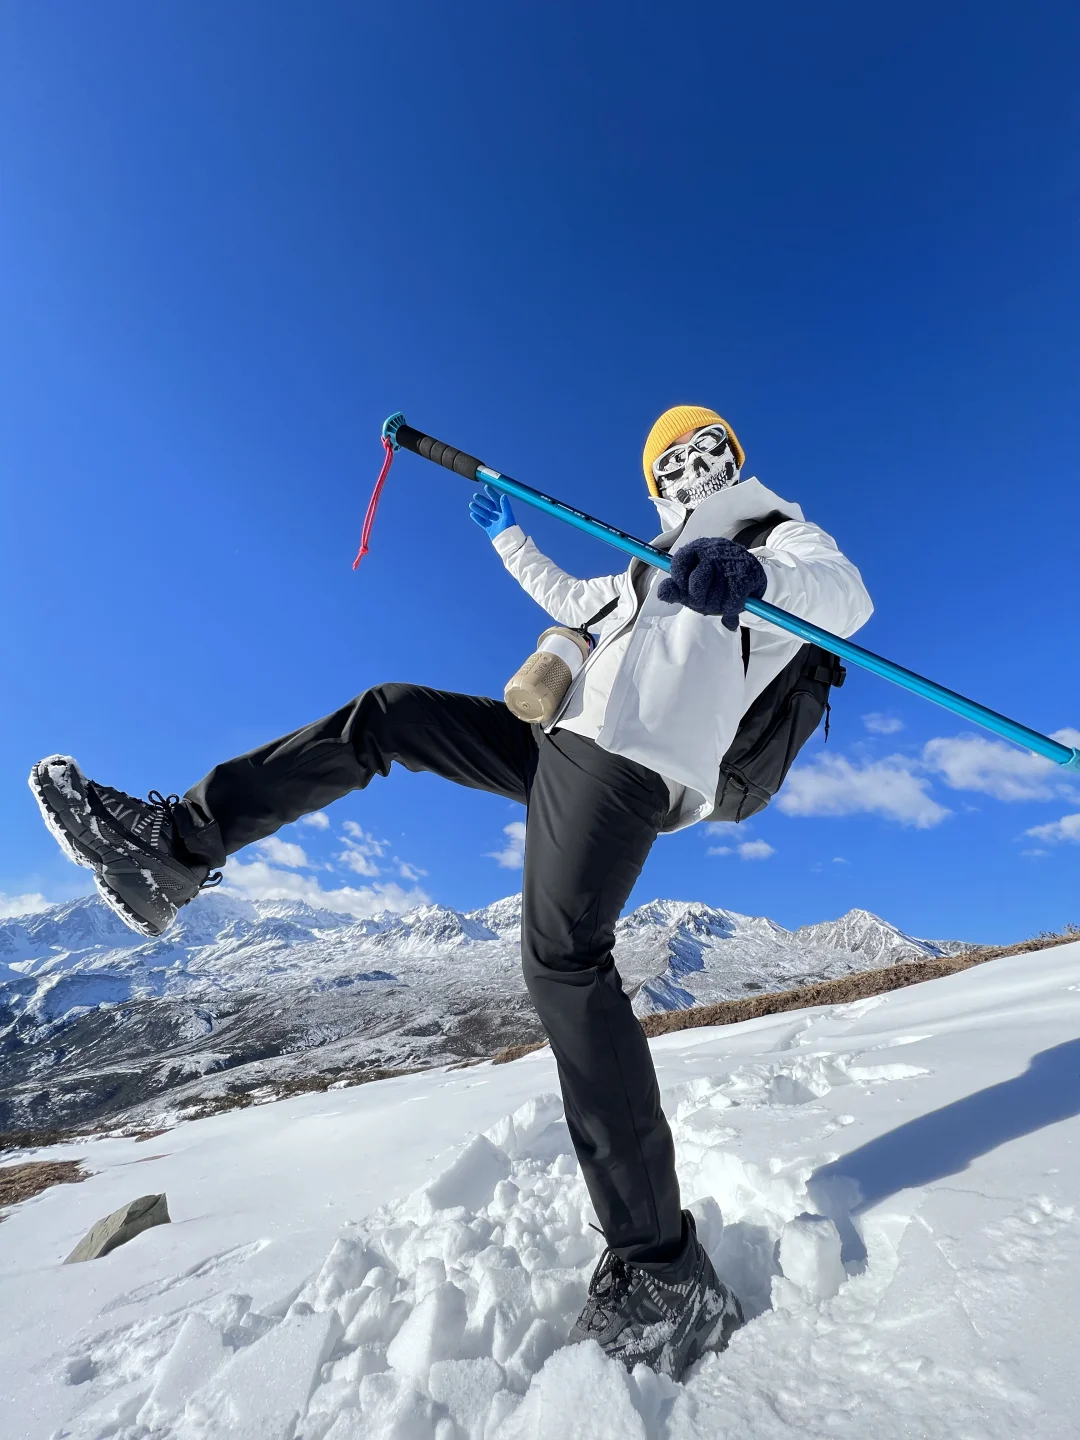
point(592, 819)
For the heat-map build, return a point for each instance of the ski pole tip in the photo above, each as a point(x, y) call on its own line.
point(1074, 763)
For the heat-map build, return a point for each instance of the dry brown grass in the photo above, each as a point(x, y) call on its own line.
point(36, 1139)
point(515, 1052)
point(22, 1182)
point(40, 1139)
point(829, 992)
point(199, 1107)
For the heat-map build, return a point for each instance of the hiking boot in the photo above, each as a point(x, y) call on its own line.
point(663, 1316)
point(140, 869)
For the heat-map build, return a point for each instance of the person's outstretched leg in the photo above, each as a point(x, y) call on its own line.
point(469, 739)
point(593, 817)
point(151, 857)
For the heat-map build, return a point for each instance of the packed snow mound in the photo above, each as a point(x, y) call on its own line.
point(888, 1185)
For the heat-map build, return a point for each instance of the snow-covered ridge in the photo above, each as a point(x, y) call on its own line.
point(93, 1016)
point(220, 944)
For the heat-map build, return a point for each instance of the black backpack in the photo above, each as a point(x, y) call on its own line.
point(782, 718)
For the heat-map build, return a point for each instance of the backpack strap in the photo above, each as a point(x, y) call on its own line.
point(756, 533)
point(826, 669)
point(595, 619)
point(601, 614)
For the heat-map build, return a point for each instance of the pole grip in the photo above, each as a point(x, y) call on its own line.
point(431, 449)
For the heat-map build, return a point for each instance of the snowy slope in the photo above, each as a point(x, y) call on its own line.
point(96, 1021)
point(403, 1259)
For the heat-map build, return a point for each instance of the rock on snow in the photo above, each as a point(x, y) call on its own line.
point(403, 1261)
point(120, 1227)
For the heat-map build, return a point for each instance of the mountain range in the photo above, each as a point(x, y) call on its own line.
point(99, 1025)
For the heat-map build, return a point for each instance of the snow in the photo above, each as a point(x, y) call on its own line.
point(199, 1351)
point(262, 1389)
point(403, 1260)
point(810, 1259)
point(471, 1180)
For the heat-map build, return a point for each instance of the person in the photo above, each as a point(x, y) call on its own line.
point(633, 751)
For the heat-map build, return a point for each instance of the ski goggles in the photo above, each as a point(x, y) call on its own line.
point(708, 442)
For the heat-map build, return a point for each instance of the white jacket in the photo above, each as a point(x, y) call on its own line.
point(664, 685)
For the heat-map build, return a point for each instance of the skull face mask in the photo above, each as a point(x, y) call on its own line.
point(693, 469)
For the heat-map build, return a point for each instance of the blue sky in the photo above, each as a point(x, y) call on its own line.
point(235, 237)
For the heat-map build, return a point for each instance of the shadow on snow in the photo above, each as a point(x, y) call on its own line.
point(946, 1141)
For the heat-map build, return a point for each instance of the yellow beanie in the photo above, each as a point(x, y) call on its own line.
point(675, 422)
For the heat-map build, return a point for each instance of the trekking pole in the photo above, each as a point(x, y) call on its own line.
point(397, 435)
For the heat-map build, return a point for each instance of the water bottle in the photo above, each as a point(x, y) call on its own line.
point(537, 690)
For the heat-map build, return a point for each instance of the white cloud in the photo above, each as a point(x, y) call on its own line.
point(832, 785)
point(14, 905)
point(839, 860)
point(898, 786)
point(362, 851)
point(512, 856)
point(317, 820)
point(970, 762)
point(880, 724)
point(407, 871)
point(358, 862)
point(284, 852)
point(746, 850)
point(260, 881)
point(1058, 832)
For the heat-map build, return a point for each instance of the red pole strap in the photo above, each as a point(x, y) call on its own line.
point(373, 503)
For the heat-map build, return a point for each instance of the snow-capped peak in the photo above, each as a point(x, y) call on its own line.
point(233, 982)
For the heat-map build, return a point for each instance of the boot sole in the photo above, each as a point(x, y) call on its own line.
point(68, 830)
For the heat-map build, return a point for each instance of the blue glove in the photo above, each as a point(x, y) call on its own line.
point(714, 577)
point(491, 511)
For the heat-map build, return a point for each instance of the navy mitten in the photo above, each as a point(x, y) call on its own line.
point(714, 577)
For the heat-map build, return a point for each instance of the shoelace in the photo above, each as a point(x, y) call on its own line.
point(165, 803)
point(609, 1284)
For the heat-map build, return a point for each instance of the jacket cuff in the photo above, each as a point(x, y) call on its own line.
point(509, 540)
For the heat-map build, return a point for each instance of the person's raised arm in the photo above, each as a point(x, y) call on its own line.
point(567, 600)
point(809, 576)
